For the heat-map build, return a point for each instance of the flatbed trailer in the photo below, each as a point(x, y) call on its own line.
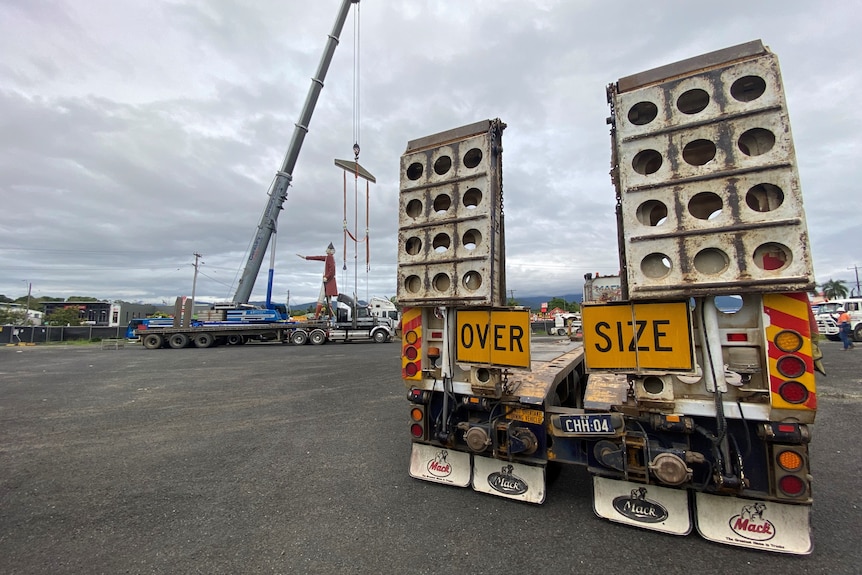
point(297, 333)
point(204, 336)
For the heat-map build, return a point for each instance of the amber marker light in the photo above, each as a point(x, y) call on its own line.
point(788, 341)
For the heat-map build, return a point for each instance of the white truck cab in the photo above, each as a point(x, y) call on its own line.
point(827, 317)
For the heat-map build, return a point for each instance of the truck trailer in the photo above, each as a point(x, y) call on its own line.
point(686, 416)
point(353, 322)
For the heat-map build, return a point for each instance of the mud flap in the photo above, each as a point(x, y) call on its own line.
point(509, 479)
point(440, 465)
point(767, 525)
point(645, 506)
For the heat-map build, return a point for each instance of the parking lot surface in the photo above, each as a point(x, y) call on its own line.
point(278, 459)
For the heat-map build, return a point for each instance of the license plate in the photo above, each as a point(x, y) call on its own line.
point(585, 424)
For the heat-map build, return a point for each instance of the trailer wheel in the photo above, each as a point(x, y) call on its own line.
point(298, 337)
point(153, 341)
point(235, 339)
point(178, 341)
point(379, 336)
point(317, 337)
point(204, 340)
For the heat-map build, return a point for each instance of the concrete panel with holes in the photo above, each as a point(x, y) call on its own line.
point(706, 178)
point(450, 236)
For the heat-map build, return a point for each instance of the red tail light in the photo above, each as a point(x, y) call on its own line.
point(791, 486)
point(793, 392)
point(790, 366)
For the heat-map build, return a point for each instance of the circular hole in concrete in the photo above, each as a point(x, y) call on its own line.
point(413, 246)
point(441, 282)
point(442, 203)
point(442, 165)
point(473, 158)
point(441, 243)
point(698, 152)
point(414, 171)
point(471, 239)
point(772, 256)
point(764, 197)
point(748, 88)
point(412, 284)
point(655, 266)
point(756, 141)
point(652, 213)
point(472, 198)
point(711, 261)
point(413, 208)
point(642, 113)
point(705, 206)
point(647, 162)
point(692, 101)
point(472, 280)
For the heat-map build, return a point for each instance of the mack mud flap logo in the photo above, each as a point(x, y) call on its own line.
point(751, 524)
point(638, 508)
point(439, 467)
point(505, 482)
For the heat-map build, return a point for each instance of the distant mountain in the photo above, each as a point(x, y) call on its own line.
point(535, 302)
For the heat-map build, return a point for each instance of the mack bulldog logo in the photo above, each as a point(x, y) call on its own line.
point(439, 467)
point(638, 508)
point(505, 482)
point(751, 524)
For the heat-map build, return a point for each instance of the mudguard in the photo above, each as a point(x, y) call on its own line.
point(509, 479)
point(766, 525)
point(645, 506)
point(440, 465)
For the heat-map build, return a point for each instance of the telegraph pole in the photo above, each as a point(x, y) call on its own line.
point(856, 269)
point(30, 290)
point(195, 281)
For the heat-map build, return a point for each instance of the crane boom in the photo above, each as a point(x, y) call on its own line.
point(278, 190)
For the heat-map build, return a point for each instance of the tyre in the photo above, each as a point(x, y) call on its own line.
point(178, 341)
point(317, 337)
point(204, 340)
point(561, 331)
point(235, 339)
point(153, 341)
point(379, 336)
point(857, 332)
point(298, 337)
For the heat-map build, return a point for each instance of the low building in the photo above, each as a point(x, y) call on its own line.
point(34, 317)
point(103, 313)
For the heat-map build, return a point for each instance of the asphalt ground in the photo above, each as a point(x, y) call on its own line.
point(281, 459)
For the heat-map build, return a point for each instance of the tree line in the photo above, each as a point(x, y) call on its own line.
point(18, 316)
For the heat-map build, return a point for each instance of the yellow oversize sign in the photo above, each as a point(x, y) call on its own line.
point(493, 337)
point(637, 336)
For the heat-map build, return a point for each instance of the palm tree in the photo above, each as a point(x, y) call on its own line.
point(834, 289)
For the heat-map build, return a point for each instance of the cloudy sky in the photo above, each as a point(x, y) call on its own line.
point(135, 133)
